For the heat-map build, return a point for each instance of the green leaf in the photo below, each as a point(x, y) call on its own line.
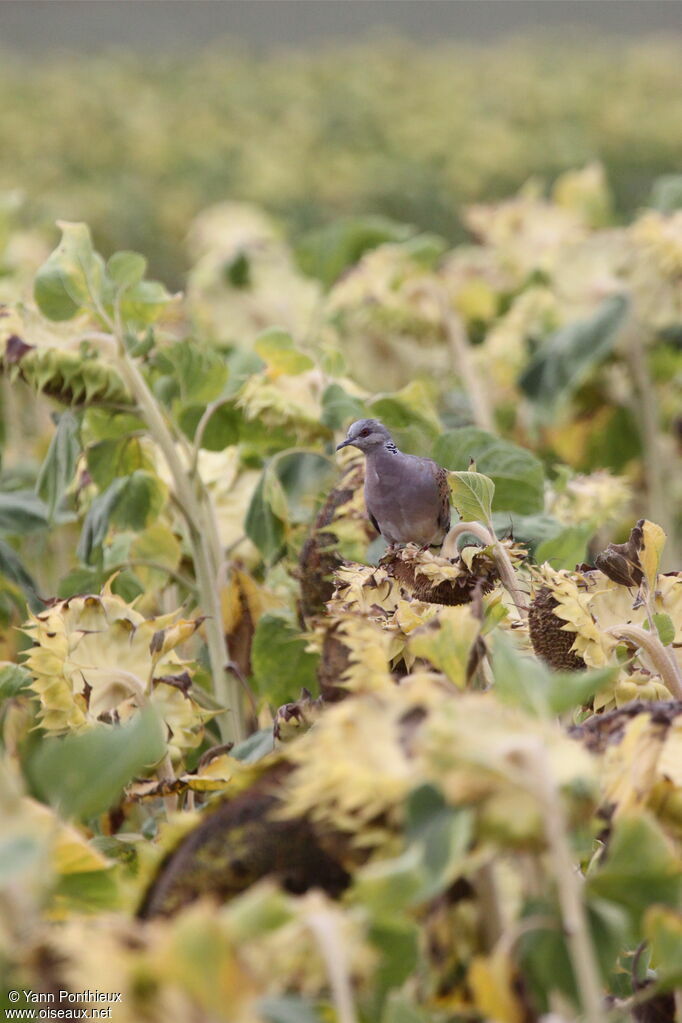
point(72, 277)
point(257, 746)
point(83, 775)
point(665, 628)
point(13, 678)
point(126, 268)
point(12, 568)
point(303, 476)
point(567, 549)
point(191, 372)
point(615, 443)
point(663, 928)
point(666, 193)
point(519, 680)
point(640, 868)
point(410, 416)
point(157, 543)
point(327, 251)
point(273, 493)
point(340, 408)
point(237, 271)
point(543, 951)
point(262, 527)
point(543, 955)
point(139, 501)
point(21, 512)
point(472, 495)
point(288, 1009)
point(51, 295)
point(277, 349)
point(86, 892)
point(528, 529)
point(280, 663)
point(110, 459)
point(447, 641)
point(571, 689)
point(82, 580)
point(517, 474)
point(526, 682)
point(399, 1009)
point(221, 430)
point(387, 888)
point(127, 586)
point(58, 469)
point(143, 303)
point(96, 522)
point(397, 943)
point(442, 834)
point(287, 492)
point(566, 359)
point(103, 424)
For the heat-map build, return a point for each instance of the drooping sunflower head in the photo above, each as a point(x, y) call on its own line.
point(95, 658)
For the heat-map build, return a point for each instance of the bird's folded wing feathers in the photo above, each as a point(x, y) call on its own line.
point(444, 495)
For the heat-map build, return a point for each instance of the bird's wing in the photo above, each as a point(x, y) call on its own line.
point(444, 497)
point(373, 521)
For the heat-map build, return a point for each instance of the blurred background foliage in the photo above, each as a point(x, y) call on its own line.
point(138, 147)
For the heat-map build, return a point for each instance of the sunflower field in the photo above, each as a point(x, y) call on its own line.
point(256, 766)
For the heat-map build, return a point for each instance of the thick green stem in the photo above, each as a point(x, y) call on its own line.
point(569, 886)
point(464, 364)
point(662, 658)
point(202, 536)
point(325, 928)
point(656, 471)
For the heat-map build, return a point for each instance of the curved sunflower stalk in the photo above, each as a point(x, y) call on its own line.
point(472, 496)
point(121, 306)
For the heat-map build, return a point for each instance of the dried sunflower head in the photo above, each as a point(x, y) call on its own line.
point(598, 497)
point(574, 622)
point(432, 578)
point(95, 658)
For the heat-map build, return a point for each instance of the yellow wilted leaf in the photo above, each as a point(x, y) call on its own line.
point(369, 653)
point(490, 978)
point(630, 769)
point(72, 852)
point(447, 641)
point(653, 542)
point(476, 300)
point(670, 760)
point(663, 928)
point(159, 544)
point(214, 775)
point(167, 639)
point(241, 598)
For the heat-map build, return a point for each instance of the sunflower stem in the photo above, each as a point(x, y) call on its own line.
point(202, 535)
point(504, 563)
point(569, 886)
point(460, 348)
point(663, 660)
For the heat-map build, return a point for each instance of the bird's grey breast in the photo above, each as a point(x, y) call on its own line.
point(402, 494)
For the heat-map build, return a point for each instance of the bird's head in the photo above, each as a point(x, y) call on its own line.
point(366, 434)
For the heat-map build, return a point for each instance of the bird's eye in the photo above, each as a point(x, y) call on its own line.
point(365, 432)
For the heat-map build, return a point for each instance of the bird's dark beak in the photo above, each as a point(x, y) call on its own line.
point(343, 444)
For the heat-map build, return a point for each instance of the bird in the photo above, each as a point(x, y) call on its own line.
point(407, 497)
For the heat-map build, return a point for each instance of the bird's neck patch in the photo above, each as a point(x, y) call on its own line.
point(390, 446)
